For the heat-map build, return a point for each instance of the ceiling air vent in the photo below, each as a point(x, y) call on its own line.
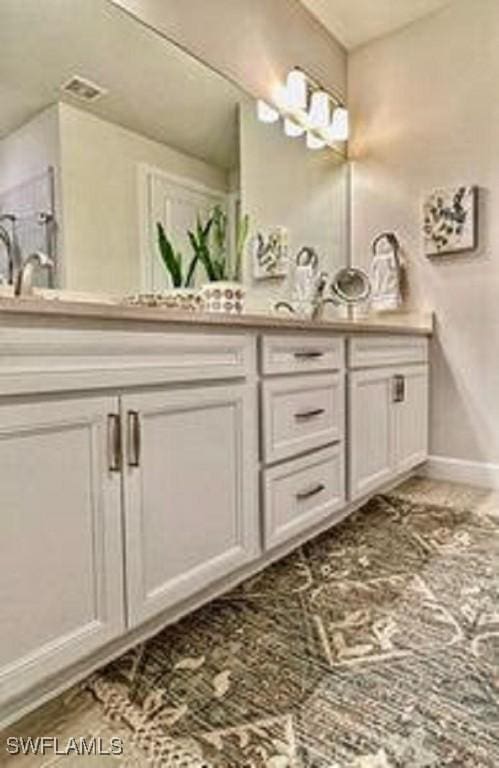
point(83, 89)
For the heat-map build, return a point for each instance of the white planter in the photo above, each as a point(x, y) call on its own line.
point(223, 296)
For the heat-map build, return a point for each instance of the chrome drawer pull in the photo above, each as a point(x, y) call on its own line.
point(133, 438)
point(398, 386)
point(304, 415)
point(310, 355)
point(302, 495)
point(114, 442)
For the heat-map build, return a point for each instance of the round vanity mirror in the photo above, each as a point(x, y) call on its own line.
point(351, 286)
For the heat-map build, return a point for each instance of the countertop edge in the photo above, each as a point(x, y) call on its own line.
point(55, 308)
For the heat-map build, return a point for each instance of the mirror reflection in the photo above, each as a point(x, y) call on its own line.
point(134, 168)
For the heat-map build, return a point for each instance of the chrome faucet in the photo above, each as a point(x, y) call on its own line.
point(23, 285)
point(11, 246)
point(317, 300)
point(5, 239)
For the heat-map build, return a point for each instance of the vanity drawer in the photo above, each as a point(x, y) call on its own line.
point(300, 414)
point(56, 359)
point(372, 351)
point(301, 493)
point(299, 354)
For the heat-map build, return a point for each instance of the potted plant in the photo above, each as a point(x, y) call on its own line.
point(182, 295)
point(224, 292)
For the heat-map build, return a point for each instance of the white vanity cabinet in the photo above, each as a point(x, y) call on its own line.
point(387, 410)
point(129, 473)
point(61, 586)
point(189, 490)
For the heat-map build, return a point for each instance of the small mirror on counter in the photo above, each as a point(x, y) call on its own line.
point(108, 130)
point(351, 286)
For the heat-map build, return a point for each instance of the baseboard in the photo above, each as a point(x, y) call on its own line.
point(478, 473)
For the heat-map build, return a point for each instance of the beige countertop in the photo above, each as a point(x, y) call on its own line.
point(398, 323)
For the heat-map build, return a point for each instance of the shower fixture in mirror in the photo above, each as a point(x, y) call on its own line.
point(111, 129)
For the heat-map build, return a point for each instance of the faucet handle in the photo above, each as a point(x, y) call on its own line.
point(307, 256)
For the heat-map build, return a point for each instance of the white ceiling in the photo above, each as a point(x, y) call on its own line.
point(153, 87)
point(354, 22)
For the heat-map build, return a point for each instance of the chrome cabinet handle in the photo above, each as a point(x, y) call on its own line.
point(114, 442)
point(398, 391)
point(302, 495)
point(133, 438)
point(311, 354)
point(304, 415)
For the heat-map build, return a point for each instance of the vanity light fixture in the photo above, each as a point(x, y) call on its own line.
point(266, 113)
point(338, 130)
point(319, 110)
point(296, 89)
point(292, 129)
point(314, 142)
point(295, 102)
point(318, 119)
point(306, 108)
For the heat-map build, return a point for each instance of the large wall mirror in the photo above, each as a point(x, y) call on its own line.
point(107, 129)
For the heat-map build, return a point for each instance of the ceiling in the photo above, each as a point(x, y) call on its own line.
point(153, 87)
point(355, 22)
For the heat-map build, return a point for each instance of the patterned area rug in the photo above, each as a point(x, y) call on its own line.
point(374, 646)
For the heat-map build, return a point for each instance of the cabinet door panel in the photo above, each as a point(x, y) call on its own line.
point(411, 419)
point(190, 504)
point(60, 532)
point(370, 444)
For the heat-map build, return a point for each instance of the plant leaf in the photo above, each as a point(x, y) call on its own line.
point(191, 270)
point(201, 251)
point(172, 262)
point(242, 236)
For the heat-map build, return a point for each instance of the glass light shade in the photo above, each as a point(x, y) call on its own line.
point(313, 142)
point(292, 129)
point(319, 114)
point(296, 87)
point(265, 112)
point(339, 128)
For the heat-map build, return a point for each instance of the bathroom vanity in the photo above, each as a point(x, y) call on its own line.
point(150, 461)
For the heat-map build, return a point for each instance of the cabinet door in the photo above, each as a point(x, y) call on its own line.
point(61, 589)
point(370, 447)
point(190, 492)
point(410, 418)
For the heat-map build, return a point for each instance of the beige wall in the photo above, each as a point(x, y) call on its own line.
point(285, 184)
point(426, 114)
point(255, 42)
point(99, 162)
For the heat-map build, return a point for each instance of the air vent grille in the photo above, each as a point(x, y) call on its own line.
point(83, 89)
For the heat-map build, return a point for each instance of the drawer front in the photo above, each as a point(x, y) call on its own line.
point(301, 354)
point(300, 414)
point(302, 493)
point(371, 351)
point(56, 359)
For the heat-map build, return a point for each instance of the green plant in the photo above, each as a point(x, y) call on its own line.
point(219, 240)
point(209, 243)
point(242, 232)
point(200, 245)
point(173, 260)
